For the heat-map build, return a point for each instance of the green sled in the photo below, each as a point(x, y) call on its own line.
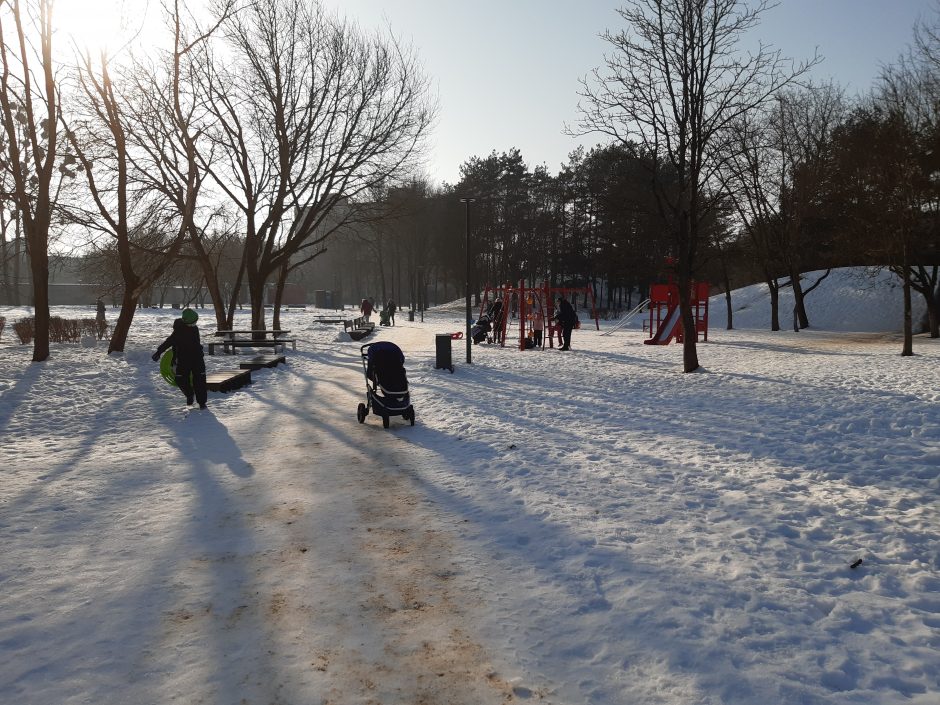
point(166, 368)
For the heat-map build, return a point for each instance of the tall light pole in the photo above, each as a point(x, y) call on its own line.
point(468, 201)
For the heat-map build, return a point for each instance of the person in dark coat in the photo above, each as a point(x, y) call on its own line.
point(188, 357)
point(567, 319)
point(390, 307)
point(365, 308)
point(495, 312)
point(101, 323)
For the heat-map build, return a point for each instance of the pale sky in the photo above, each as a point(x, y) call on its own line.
point(506, 71)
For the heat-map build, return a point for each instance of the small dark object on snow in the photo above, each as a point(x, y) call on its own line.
point(856, 564)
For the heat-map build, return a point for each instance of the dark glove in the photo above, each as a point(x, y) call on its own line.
point(155, 357)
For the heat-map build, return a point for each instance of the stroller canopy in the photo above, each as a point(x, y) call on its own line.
point(386, 367)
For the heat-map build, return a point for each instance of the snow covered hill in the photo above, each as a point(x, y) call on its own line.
point(849, 299)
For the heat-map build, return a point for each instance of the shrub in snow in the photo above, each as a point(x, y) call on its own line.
point(25, 329)
point(64, 330)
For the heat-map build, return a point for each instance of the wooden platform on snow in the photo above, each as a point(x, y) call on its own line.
point(259, 361)
point(227, 380)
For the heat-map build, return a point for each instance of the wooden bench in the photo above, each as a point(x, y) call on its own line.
point(330, 319)
point(358, 328)
point(256, 363)
point(227, 380)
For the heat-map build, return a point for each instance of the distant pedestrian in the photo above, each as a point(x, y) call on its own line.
point(188, 358)
point(390, 307)
point(365, 308)
point(567, 319)
point(101, 323)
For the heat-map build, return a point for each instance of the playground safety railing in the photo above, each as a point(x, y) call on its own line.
point(626, 319)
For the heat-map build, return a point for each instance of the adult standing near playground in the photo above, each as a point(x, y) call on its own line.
point(365, 308)
point(189, 359)
point(390, 307)
point(567, 319)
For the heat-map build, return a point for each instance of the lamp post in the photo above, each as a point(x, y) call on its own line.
point(468, 201)
point(422, 292)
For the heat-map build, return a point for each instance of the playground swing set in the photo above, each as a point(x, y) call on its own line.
point(520, 301)
point(665, 320)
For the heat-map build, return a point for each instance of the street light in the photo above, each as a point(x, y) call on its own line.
point(468, 201)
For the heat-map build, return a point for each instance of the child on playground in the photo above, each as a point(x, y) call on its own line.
point(189, 359)
point(538, 326)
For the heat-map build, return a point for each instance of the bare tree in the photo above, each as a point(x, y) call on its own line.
point(801, 134)
point(29, 109)
point(674, 83)
point(102, 133)
point(310, 113)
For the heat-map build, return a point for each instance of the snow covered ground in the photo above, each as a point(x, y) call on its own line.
point(581, 527)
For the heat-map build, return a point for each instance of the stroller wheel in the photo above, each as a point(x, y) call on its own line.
point(361, 412)
point(385, 422)
point(411, 415)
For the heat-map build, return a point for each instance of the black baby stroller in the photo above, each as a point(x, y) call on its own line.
point(386, 383)
point(480, 329)
point(385, 317)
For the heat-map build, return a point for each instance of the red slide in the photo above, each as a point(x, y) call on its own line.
point(668, 329)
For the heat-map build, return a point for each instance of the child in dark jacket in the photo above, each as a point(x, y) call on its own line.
point(188, 357)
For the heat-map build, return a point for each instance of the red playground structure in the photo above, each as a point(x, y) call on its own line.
point(665, 317)
point(520, 301)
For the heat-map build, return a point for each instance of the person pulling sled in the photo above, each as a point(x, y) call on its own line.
point(188, 357)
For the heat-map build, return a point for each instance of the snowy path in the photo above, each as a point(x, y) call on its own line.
point(290, 557)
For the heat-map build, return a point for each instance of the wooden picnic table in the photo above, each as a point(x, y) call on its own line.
point(232, 339)
point(239, 334)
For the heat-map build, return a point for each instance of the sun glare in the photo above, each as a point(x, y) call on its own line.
point(97, 25)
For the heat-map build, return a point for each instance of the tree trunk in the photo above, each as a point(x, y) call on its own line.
point(684, 281)
point(211, 277)
point(256, 296)
point(39, 267)
point(125, 318)
point(908, 348)
point(798, 299)
point(728, 306)
point(774, 290)
point(235, 301)
point(933, 313)
point(17, 245)
point(279, 295)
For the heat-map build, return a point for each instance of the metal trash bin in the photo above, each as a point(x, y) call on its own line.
point(443, 359)
point(411, 314)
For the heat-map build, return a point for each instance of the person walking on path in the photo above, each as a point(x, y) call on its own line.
point(365, 308)
point(190, 362)
point(101, 323)
point(390, 307)
point(567, 319)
